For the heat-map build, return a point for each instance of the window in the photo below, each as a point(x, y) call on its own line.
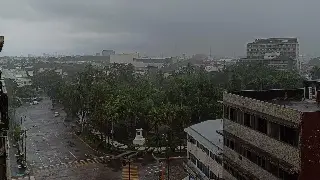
point(273, 168)
point(286, 176)
point(247, 154)
point(192, 158)
point(273, 130)
point(226, 141)
point(211, 155)
point(212, 175)
point(226, 111)
point(261, 161)
point(233, 114)
point(231, 144)
point(240, 117)
point(289, 135)
point(218, 159)
point(262, 125)
point(206, 150)
point(246, 120)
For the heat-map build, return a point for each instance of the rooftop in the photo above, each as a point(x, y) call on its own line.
point(154, 60)
point(275, 40)
point(290, 98)
point(207, 130)
point(302, 106)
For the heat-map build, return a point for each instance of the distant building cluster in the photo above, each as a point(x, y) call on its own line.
point(142, 64)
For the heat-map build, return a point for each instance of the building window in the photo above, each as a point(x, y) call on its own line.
point(261, 161)
point(247, 120)
point(232, 145)
point(192, 140)
point(289, 135)
point(229, 143)
point(273, 168)
point(274, 130)
point(262, 125)
point(286, 176)
point(218, 159)
point(193, 158)
point(226, 111)
point(212, 175)
point(240, 117)
point(233, 114)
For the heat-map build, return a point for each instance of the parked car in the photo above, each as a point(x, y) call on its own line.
point(56, 114)
point(34, 103)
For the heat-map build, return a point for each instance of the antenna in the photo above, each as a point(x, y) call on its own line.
point(210, 55)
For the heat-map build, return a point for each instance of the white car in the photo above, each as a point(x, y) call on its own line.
point(34, 103)
point(56, 114)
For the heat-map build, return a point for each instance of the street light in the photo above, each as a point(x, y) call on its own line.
point(24, 135)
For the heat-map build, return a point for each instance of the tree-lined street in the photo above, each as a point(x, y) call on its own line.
point(53, 150)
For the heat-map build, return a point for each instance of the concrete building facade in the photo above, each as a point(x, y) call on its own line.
point(272, 134)
point(204, 150)
point(285, 46)
point(108, 52)
point(280, 53)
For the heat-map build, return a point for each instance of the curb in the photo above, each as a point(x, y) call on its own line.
point(98, 152)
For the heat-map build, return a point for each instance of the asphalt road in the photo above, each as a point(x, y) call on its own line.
point(54, 152)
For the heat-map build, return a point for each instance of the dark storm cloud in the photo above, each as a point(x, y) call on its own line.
point(156, 26)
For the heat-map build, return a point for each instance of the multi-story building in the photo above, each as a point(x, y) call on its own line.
point(272, 134)
point(276, 62)
point(4, 126)
point(288, 47)
point(108, 52)
point(204, 150)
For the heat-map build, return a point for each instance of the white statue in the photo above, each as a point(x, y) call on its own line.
point(139, 139)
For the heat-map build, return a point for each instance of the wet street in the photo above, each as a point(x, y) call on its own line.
point(54, 151)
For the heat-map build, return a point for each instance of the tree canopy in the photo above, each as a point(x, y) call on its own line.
point(116, 95)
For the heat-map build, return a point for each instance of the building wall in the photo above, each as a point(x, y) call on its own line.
point(276, 148)
point(310, 148)
point(248, 165)
point(107, 52)
point(257, 49)
point(204, 158)
point(228, 176)
point(278, 111)
point(122, 58)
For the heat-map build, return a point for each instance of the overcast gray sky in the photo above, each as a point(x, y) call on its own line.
point(154, 27)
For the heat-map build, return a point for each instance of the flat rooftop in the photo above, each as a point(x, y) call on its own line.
point(302, 106)
point(275, 40)
point(291, 98)
point(207, 130)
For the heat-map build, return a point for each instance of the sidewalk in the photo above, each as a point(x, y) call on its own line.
point(15, 171)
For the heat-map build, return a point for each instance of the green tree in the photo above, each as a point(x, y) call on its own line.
point(315, 72)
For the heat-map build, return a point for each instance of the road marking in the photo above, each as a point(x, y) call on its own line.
point(58, 158)
point(73, 155)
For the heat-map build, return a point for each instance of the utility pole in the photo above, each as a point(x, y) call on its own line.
point(25, 147)
point(167, 156)
point(129, 169)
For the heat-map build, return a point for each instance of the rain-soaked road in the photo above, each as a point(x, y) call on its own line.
point(54, 152)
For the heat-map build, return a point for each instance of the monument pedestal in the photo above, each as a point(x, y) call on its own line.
point(139, 139)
